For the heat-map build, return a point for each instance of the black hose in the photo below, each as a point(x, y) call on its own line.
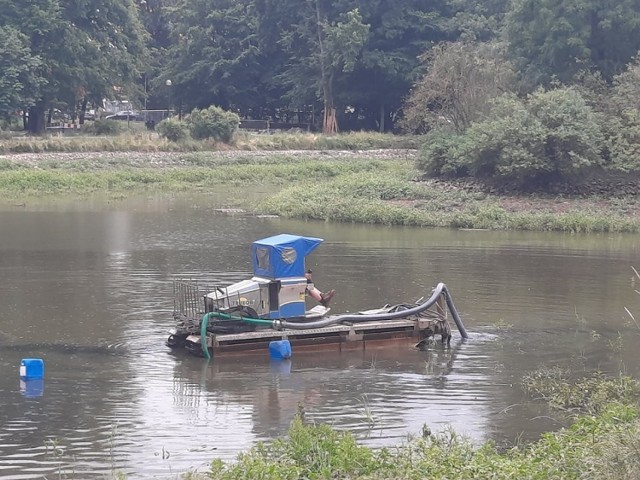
point(440, 289)
point(454, 314)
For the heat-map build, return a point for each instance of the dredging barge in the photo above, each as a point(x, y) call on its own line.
point(270, 309)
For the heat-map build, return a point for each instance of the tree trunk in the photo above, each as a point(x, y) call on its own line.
point(83, 110)
point(37, 124)
point(382, 118)
point(330, 124)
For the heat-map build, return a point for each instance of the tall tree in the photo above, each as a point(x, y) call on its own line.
point(400, 32)
point(559, 38)
point(323, 40)
point(87, 47)
point(20, 81)
point(339, 45)
point(214, 59)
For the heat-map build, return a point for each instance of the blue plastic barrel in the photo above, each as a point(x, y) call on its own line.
point(31, 368)
point(280, 349)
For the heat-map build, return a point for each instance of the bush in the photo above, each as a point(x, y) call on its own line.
point(213, 122)
point(439, 154)
point(549, 135)
point(623, 141)
point(103, 127)
point(173, 129)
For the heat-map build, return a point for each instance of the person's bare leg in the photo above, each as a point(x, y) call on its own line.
point(315, 294)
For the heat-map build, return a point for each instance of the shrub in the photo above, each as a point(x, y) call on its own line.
point(623, 141)
point(213, 122)
point(103, 127)
point(550, 134)
point(439, 154)
point(173, 129)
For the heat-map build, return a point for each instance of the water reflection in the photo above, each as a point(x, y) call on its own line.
point(87, 287)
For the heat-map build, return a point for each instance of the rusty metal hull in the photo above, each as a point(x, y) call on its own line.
point(360, 336)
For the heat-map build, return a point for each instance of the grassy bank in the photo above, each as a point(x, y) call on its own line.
point(603, 442)
point(141, 140)
point(338, 186)
point(604, 446)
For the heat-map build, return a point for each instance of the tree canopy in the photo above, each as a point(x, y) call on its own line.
point(83, 48)
point(348, 64)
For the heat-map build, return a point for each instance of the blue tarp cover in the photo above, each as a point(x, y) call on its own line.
point(282, 255)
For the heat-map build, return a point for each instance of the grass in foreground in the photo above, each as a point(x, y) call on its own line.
point(603, 447)
point(603, 443)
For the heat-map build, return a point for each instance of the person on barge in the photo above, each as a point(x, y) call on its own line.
point(322, 298)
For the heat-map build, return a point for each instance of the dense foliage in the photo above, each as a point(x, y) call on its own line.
point(602, 446)
point(67, 52)
point(546, 136)
point(455, 69)
point(214, 123)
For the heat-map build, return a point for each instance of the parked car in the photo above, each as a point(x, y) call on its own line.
point(126, 115)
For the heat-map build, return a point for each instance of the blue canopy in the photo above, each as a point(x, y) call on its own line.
point(282, 255)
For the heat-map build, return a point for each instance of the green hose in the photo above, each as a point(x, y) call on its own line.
point(203, 335)
point(224, 316)
point(255, 321)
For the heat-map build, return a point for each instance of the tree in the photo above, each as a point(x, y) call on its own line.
point(339, 45)
point(323, 40)
point(461, 81)
point(87, 47)
point(19, 78)
point(559, 38)
point(215, 59)
point(400, 31)
point(626, 87)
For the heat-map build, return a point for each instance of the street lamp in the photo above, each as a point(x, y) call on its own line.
point(168, 83)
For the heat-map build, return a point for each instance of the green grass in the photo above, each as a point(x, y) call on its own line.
point(604, 446)
point(136, 138)
point(387, 196)
point(356, 188)
point(602, 442)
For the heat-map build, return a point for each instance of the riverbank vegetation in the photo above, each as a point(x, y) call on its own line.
point(135, 139)
point(496, 92)
point(602, 442)
point(382, 187)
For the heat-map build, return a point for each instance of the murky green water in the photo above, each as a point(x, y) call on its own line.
point(87, 286)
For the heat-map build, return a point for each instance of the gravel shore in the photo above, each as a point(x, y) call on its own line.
point(174, 159)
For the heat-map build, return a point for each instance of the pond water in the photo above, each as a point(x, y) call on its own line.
point(87, 287)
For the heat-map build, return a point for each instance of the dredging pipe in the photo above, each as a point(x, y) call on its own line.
point(441, 289)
